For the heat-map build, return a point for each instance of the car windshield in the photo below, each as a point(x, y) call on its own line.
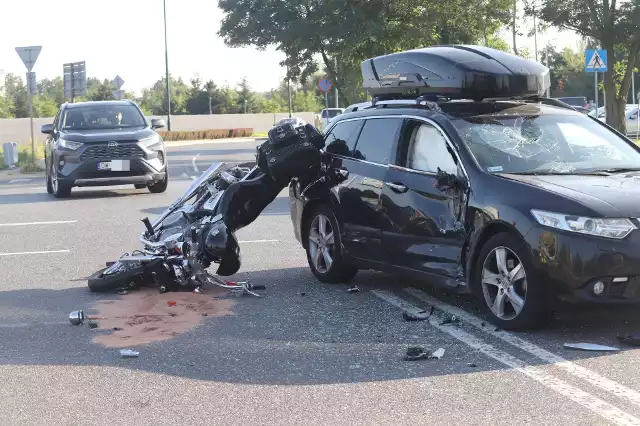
point(574, 101)
point(105, 116)
point(528, 140)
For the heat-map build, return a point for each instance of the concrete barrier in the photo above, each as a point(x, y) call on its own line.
point(17, 129)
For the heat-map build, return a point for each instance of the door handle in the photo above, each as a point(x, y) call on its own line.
point(397, 187)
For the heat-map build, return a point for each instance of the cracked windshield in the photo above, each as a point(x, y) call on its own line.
point(320, 212)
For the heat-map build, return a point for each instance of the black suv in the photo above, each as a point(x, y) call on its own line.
point(516, 199)
point(103, 144)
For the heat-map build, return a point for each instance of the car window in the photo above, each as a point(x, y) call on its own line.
point(342, 138)
point(427, 149)
point(376, 139)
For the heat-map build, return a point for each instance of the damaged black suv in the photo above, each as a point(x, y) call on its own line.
point(460, 172)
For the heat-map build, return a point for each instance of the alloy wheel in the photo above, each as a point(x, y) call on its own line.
point(504, 283)
point(321, 243)
point(54, 179)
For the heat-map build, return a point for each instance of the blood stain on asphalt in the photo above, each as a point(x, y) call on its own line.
point(143, 316)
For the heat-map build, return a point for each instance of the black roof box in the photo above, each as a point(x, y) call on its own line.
point(454, 71)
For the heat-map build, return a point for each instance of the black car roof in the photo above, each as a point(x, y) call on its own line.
point(88, 103)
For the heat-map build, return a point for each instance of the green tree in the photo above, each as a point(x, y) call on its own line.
point(349, 31)
point(16, 93)
point(613, 26)
point(246, 98)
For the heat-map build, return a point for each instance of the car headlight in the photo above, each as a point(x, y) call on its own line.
point(69, 144)
point(151, 141)
point(599, 227)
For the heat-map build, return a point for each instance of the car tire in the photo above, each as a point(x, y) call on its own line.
point(160, 186)
point(100, 283)
point(513, 299)
point(48, 179)
point(58, 189)
point(332, 268)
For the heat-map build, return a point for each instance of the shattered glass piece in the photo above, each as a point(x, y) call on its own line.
point(437, 354)
point(590, 347)
point(128, 353)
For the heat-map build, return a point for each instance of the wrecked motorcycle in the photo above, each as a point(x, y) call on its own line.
point(193, 233)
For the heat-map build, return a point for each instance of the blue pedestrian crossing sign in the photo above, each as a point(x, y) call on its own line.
point(595, 60)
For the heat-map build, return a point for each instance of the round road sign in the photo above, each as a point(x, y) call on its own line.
point(324, 85)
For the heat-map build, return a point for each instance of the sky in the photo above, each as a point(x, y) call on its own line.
point(126, 38)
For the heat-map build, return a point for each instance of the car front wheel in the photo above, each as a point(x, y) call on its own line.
point(59, 189)
point(160, 186)
point(324, 248)
point(506, 285)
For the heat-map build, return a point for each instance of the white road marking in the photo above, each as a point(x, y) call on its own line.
point(193, 163)
point(34, 252)
point(258, 241)
point(54, 222)
point(591, 402)
point(20, 180)
point(615, 388)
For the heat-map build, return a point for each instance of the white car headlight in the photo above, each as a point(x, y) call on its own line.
point(151, 141)
point(69, 144)
point(599, 227)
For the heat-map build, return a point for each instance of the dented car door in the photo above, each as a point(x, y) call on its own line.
point(426, 218)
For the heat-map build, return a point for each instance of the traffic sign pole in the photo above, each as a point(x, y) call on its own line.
point(29, 56)
point(595, 76)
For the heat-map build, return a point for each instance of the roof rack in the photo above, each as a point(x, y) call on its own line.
point(453, 72)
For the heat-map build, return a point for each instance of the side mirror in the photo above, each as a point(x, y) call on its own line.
point(157, 123)
point(446, 180)
point(47, 129)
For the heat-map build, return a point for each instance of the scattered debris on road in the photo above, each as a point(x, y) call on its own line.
point(590, 347)
point(452, 319)
point(171, 303)
point(77, 317)
point(631, 340)
point(123, 292)
point(472, 364)
point(415, 353)
point(439, 353)
point(128, 353)
point(354, 289)
point(410, 315)
point(93, 324)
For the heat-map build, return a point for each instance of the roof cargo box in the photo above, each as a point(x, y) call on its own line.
point(455, 71)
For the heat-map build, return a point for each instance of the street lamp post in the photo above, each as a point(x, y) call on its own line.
point(166, 62)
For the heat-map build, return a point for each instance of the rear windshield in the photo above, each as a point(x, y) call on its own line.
point(330, 113)
point(93, 117)
point(519, 141)
point(574, 101)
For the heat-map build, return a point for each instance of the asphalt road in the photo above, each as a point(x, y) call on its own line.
point(325, 357)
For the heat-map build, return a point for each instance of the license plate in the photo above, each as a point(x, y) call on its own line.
point(115, 165)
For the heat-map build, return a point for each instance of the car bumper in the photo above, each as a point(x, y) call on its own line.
point(140, 166)
point(570, 264)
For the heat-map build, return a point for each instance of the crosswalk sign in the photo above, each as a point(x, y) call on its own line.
point(595, 60)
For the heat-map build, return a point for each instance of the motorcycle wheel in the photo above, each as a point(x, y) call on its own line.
point(101, 283)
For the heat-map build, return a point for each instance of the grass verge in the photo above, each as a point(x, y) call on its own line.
point(194, 135)
point(24, 155)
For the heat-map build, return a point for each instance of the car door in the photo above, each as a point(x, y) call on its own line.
point(360, 210)
point(426, 231)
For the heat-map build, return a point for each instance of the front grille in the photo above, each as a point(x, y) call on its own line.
point(103, 151)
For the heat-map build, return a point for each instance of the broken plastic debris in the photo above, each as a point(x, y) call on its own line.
point(302, 293)
point(77, 317)
point(171, 303)
point(128, 353)
point(415, 353)
point(417, 315)
point(451, 320)
point(631, 340)
point(163, 289)
point(439, 353)
point(197, 290)
point(354, 289)
point(123, 292)
point(472, 364)
point(589, 347)
point(93, 324)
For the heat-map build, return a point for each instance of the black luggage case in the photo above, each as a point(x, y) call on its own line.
point(290, 152)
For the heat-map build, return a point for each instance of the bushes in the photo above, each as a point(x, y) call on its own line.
point(190, 135)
